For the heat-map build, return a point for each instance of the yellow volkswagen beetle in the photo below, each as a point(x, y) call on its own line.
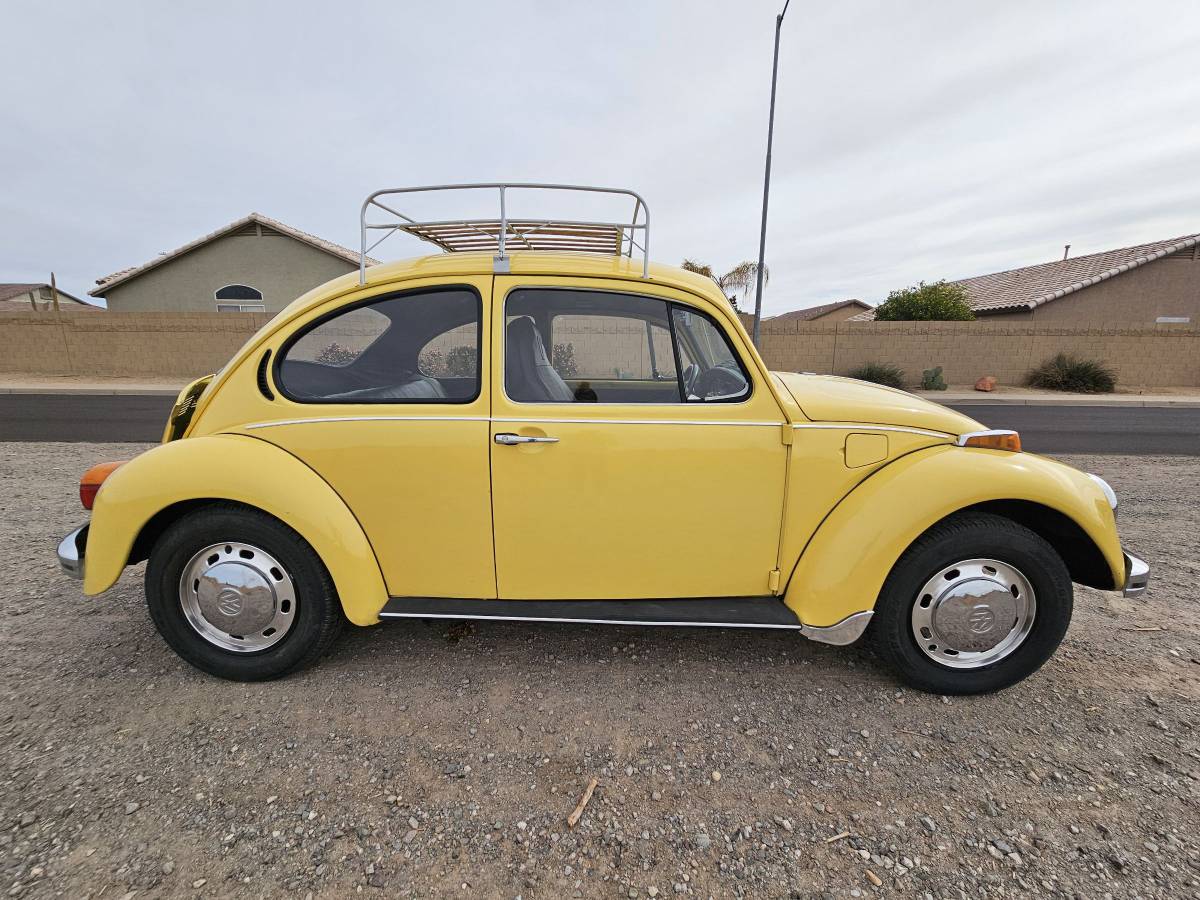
point(537, 426)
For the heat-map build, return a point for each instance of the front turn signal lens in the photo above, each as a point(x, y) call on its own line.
point(89, 484)
point(992, 440)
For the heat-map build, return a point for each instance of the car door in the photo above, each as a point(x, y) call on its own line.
point(386, 398)
point(609, 479)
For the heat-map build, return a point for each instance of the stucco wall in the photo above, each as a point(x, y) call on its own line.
point(189, 345)
point(279, 266)
point(1168, 287)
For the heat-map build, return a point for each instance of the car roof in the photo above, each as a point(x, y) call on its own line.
point(585, 265)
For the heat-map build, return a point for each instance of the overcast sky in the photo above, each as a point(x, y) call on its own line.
point(914, 140)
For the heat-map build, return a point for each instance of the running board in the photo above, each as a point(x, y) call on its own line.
point(708, 612)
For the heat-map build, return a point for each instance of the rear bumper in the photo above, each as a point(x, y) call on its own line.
point(71, 552)
point(1137, 575)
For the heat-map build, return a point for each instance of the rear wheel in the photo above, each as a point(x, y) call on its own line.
point(240, 595)
point(976, 604)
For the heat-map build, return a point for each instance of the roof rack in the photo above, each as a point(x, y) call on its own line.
point(464, 235)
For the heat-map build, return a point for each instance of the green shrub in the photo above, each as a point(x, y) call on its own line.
point(1066, 372)
point(880, 373)
point(937, 302)
point(932, 380)
point(564, 360)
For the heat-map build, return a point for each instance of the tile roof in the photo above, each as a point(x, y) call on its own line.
point(815, 312)
point(110, 281)
point(12, 296)
point(1031, 286)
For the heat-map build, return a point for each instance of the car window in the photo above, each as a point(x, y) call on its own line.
point(408, 348)
point(571, 346)
point(712, 370)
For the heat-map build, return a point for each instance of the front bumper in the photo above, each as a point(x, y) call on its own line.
point(1137, 575)
point(71, 552)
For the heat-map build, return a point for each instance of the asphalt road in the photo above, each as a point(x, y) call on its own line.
point(1044, 429)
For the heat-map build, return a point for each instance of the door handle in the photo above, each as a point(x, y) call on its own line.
point(508, 439)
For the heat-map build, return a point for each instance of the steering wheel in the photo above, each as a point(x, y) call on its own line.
point(717, 383)
point(689, 378)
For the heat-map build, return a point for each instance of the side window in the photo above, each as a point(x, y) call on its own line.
point(567, 346)
point(407, 348)
point(712, 372)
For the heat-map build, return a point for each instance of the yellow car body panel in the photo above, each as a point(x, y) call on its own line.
point(842, 569)
point(242, 470)
point(412, 474)
point(665, 500)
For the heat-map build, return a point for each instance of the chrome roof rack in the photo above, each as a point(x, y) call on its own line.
point(503, 234)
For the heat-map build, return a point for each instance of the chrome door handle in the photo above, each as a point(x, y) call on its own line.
point(508, 439)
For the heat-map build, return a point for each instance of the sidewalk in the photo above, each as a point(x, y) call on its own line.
point(956, 395)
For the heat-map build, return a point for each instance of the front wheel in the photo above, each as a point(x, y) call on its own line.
point(976, 604)
point(240, 595)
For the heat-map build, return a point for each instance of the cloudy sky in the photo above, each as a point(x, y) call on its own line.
point(914, 140)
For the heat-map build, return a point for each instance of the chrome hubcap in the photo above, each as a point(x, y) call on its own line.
point(973, 613)
point(237, 597)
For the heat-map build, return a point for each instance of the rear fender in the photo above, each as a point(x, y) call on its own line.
point(244, 470)
point(842, 569)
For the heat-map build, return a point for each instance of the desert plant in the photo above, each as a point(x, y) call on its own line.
point(880, 373)
point(932, 380)
point(564, 360)
point(1066, 372)
point(938, 302)
point(336, 355)
point(462, 361)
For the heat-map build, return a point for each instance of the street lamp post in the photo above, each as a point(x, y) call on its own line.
point(762, 238)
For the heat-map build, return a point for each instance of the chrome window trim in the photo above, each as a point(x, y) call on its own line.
point(988, 432)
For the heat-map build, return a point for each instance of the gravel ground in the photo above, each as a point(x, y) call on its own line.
point(439, 761)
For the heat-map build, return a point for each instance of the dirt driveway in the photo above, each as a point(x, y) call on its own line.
point(443, 761)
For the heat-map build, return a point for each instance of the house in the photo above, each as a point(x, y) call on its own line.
point(256, 264)
point(837, 311)
point(39, 297)
point(1156, 283)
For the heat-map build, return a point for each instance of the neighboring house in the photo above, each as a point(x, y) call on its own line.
point(1146, 284)
point(255, 264)
point(838, 311)
point(40, 298)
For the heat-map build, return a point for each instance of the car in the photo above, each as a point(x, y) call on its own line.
point(535, 425)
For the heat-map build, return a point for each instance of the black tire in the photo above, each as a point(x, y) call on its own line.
point(318, 615)
point(963, 537)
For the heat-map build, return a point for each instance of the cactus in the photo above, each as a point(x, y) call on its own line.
point(931, 379)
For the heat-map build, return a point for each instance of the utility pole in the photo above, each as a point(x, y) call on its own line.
point(53, 292)
point(762, 238)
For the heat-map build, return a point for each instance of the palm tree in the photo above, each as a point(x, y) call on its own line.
point(737, 280)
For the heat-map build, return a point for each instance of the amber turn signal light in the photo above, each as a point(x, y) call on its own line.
point(992, 440)
point(90, 483)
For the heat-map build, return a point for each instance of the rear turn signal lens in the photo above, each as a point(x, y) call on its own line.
point(90, 483)
point(992, 440)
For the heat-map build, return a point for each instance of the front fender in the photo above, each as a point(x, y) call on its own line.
point(245, 470)
point(842, 569)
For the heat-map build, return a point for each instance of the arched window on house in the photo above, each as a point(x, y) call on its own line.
point(239, 298)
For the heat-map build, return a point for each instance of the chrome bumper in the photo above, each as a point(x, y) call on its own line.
point(1137, 576)
point(71, 552)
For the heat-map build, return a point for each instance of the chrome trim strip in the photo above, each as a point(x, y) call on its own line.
point(323, 419)
point(71, 552)
point(845, 632)
point(387, 615)
point(989, 432)
point(1137, 575)
point(1109, 494)
point(867, 426)
point(534, 421)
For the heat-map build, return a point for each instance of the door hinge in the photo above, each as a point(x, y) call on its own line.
point(785, 434)
point(773, 581)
